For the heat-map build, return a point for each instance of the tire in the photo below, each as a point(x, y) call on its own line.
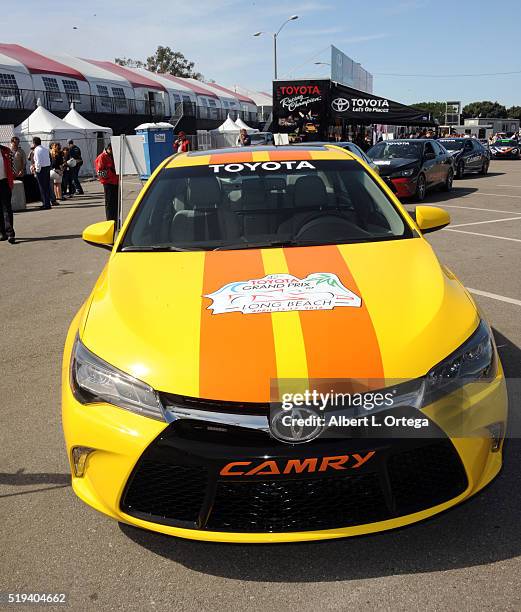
point(447, 185)
point(421, 188)
point(484, 167)
point(460, 170)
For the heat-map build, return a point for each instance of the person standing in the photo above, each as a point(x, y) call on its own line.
point(244, 139)
point(6, 186)
point(106, 173)
point(182, 144)
point(19, 159)
point(67, 186)
point(42, 170)
point(57, 171)
point(75, 153)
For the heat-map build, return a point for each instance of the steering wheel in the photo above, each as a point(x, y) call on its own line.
point(325, 217)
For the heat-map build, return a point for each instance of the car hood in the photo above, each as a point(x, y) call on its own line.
point(381, 309)
point(390, 166)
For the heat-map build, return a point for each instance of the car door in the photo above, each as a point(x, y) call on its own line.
point(444, 162)
point(471, 155)
point(430, 164)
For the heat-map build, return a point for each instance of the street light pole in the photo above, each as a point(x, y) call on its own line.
point(275, 35)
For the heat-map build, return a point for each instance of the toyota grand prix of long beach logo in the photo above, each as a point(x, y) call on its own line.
point(340, 105)
point(283, 293)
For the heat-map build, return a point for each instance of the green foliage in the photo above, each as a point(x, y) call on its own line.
point(484, 109)
point(164, 60)
point(436, 108)
point(514, 112)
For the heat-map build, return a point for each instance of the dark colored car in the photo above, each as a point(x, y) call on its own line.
point(348, 146)
point(505, 148)
point(414, 166)
point(468, 155)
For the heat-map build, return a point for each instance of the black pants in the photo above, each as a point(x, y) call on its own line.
point(111, 202)
point(67, 186)
point(75, 180)
point(44, 183)
point(6, 210)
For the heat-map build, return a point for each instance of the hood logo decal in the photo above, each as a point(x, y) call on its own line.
point(283, 293)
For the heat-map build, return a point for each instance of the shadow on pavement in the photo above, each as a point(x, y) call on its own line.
point(44, 238)
point(483, 530)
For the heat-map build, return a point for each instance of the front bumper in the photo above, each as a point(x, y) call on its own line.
point(405, 187)
point(167, 477)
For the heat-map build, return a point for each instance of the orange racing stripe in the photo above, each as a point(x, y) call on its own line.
point(231, 158)
point(340, 343)
point(237, 351)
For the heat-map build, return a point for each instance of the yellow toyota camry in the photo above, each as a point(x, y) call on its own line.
point(273, 353)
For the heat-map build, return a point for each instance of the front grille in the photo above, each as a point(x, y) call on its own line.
point(404, 481)
point(174, 492)
point(425, 476)
point(297, 505)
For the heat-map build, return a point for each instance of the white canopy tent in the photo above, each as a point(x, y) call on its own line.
point(50, 128)
point(243, 126)
point(228, 126)
point(98, 136)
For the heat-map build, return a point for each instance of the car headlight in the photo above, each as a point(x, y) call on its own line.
point(475, 360)
point(408, 172)
point(94, 380)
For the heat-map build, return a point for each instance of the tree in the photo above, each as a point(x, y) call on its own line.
point(165, 61)
point(127, 61)
point(484, 109)
point(514, 112)
point(436, 108)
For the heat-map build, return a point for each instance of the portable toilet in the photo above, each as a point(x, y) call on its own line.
point(158, 143)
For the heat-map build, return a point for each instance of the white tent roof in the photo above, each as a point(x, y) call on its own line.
point(228, 126)
point(74, 118)
point(43, 121)
point(243, 126)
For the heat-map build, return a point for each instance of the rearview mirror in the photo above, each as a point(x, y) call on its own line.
point(100, 234)
point(431, 218)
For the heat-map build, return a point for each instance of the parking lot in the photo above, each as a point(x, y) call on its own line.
point(467, 558)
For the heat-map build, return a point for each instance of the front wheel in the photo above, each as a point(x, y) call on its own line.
point(460, 171)
point(484, 167)
point(447, 185)
point(421, 188)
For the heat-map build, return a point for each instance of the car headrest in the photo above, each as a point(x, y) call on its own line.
point(253, 192)
point(204, 192)
point(310, 192)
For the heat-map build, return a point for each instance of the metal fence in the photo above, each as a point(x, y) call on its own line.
point(26, 99)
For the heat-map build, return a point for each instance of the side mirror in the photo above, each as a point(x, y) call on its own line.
point(429, 155)
point(100, 234)
point(431, 218)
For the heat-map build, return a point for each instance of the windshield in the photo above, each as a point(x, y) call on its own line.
point(452, 145)
point(240, 205)
point(396, 150)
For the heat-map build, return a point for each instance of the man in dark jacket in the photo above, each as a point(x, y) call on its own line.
point(75, 153)
point(6, 187)
point(106, 173)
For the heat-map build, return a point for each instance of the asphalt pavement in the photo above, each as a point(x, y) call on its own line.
point(468, 558)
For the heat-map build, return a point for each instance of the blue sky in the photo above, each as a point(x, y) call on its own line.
point(418, 37)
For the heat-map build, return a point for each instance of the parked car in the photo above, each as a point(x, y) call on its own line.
point(468, 155)
point(505, 148)
point(414, 165)
point(261, 138)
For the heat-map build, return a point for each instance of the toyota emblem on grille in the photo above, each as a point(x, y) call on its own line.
point(340, 104)
point(300, 424)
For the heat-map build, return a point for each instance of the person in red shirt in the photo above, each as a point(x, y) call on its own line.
point(6, 187)
point(106, 173)
point(182, 144)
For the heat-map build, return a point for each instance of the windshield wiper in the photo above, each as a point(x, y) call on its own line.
point(257, 245)
point(155, 248)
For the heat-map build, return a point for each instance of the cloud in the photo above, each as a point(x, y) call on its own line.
point(365, 37)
